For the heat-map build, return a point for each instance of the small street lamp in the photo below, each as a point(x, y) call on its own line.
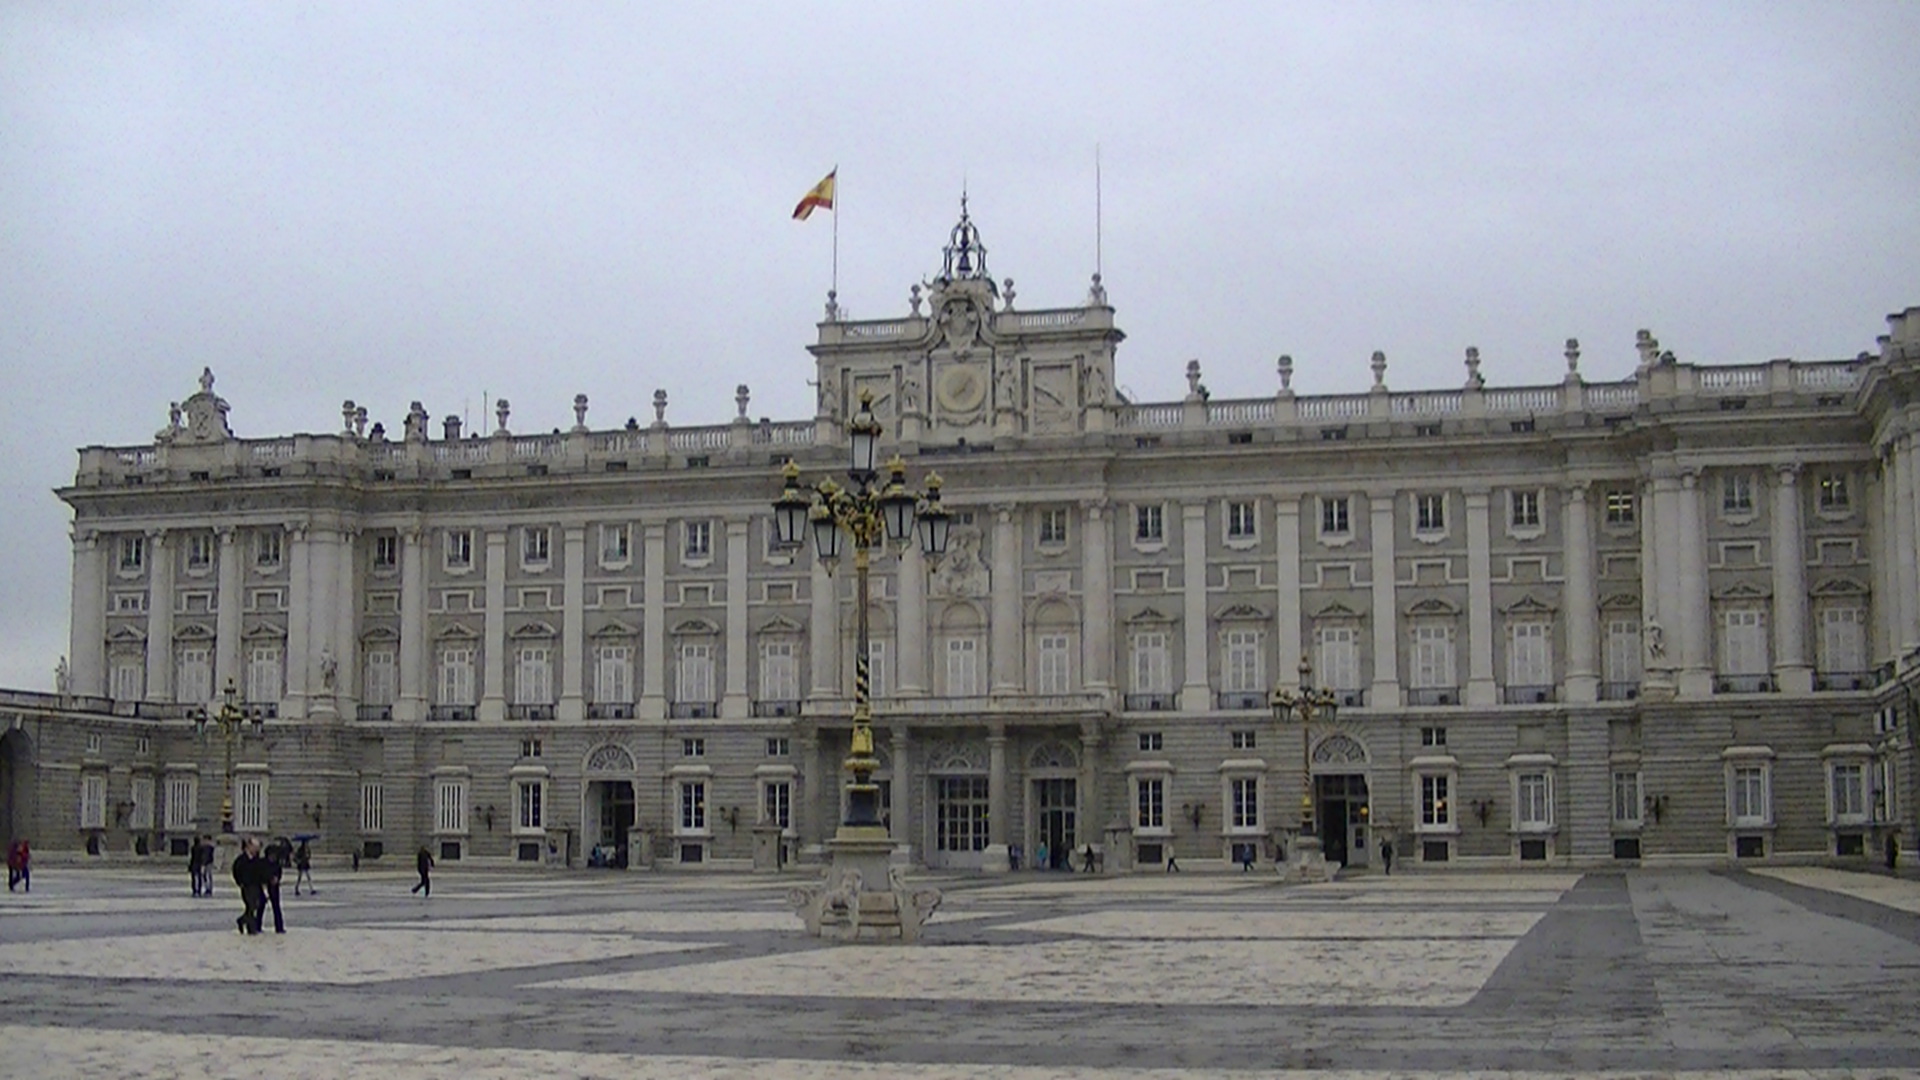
point(871, 515)
point(231, 719)
point(1307, 704)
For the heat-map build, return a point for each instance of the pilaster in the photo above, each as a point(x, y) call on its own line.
point(87, 631)
point(823, 634)
point(999, 805)
point(1583, 611)
point(346, 621)
point(573, 625)
point(493, 695)
point(901, 826)
point(653, 634)
point(910, 640)
point(160, 617)
point(734, 703)
point(1008, 631)
point(1385, 692)
point(299, 615)
point(1287, 632)
point(1696, 651)
point(412, 703)
point(1790, 667)
point(1481, 689)
point(1907, 547)
point(1096, 548)
point(227, 607)
point(323, 586)
point(1196, 694)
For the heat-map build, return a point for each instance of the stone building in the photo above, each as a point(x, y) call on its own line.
point(1666, 616)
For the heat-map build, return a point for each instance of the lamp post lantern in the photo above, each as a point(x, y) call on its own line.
point(230, 719)
point(1306, 704)
point(871, 515)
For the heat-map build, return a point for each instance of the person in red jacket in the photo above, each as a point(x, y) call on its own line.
point(19, 865)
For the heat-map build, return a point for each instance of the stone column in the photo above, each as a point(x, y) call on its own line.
point(299, 614)
point(1196, 691)
point(807, 820)
point(653, 630)
point(573, 625)
point(1790, 667)
point(87, 630)
point(910, 635)
point(903, 792)
point(734, 702)
point(1008, 624)
point(1092, 816)
point(228, 604)
point(1097, 598)
point(1287, 622)
point(414, 645)
point(1583, 609)
point(493, 695)
point(1908, 531)
point(1481, 687)
point(999, 804)
point(323, 586)
point(1886, 569)
point(823, 635)
point(1696, 622)
point(1385, 692)
point(346, 618)
point(159, 617)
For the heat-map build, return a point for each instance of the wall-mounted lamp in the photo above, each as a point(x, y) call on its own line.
point(314, 812)
point(1482, 809)
point(485, 814)
point(1194, 812)
point(731, 815)
point(1656, 807)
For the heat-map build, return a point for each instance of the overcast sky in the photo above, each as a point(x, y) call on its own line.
point(389, 202)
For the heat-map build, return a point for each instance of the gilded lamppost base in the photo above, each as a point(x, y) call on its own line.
point(1307, 864)
point(863, 898)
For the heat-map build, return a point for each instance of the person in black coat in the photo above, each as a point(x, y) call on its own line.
point(423, 862)
point(279, 857)
point(251, 870)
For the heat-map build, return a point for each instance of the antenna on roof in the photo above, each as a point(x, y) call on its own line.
point(1096, 209)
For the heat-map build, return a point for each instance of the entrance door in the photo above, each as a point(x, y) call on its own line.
point(16, 786)
point(1054, 798)
point(1342, 814)
point(616, 817)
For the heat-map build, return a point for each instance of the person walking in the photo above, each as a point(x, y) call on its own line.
point(278, 856)
point(193, 866)
point(1040, 857)
point(1173, 862)
point(206, 849)
point(303, 869)
point(1386, 856)
point(423, 862)
point(19, 865)
point(250, 872)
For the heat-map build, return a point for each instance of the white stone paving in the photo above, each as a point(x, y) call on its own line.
point(650, 922)
point(353, 955)
point(128, 1055)
point(1890, 891)
point(1310, 925)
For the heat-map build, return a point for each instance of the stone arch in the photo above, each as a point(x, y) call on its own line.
point(1339, 749)
point(1053, 755)
point(609, 759)
point(17, 786)
point(955, 757)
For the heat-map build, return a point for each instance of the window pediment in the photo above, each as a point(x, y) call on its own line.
point(1528, 605)
point(695, 628)
point(1840, 586)
point(1240, 613)
point(380, 634)
point(1433, 607)
point(265, 630)
point(1620, 601)
point(780, 624)
point(125, 633)
point(457, 632)
point(1742, 590)
point(616, 629)
point(1053, 755)
point(1337, 610)
point(533, 630)
point(193, 632)
point(1149, 617)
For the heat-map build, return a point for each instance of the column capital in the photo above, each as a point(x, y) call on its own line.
point(226, 533)
point(997, 732)
point(1193, 509)
point(157, 536)
point(1577, 490)
point(1477, 494)
point(1003, 511)
point(412, 534)
point(1787, 473)
point(736, 526)
point(1095, 507)
point(1690, 477)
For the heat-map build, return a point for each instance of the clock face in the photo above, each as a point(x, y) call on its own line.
point(962, 388)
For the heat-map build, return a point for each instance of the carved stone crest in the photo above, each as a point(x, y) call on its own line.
point(962, 573)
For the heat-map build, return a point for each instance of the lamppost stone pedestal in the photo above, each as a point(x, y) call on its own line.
point(1307, 864)
point(863, 898)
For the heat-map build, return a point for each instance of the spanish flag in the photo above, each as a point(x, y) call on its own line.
point(821, 196)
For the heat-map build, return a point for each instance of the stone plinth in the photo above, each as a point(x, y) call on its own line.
point(1308, 864)
point(863, 899)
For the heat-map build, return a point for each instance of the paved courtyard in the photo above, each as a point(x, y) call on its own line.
point(118, 973)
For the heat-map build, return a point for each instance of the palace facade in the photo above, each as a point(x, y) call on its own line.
point(1669, 616)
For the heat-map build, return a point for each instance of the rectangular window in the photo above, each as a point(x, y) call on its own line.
point(1056, 664)
point(536, 545)
point(532, 748)
point(1241, 740)
point(1149, 524)
point(183, 796)
point(193, 680)
point(1751, 805)
point(1744, 642)
point(1849, 791)
point(1433, 736)
point(963, 667)
point(697, 537)
point(1243, 668)
point(693, 806)
point(266, 548)
point(1834, 497)
point(1150, 803)
point(381, 677)
point(1524, 509)
point(450, 806)
point(1435, 811)
point(1432, 657)
point(615, 545)
point(1245, 791)
point(459, 549)
point(1843, 639)
point(1151, 670)
point(532, 793)
point(879, 669)
point(1619, 508)
point(1241, 524)
point(264, 674)
point(1053, 527)
point(1337, 657)
point(961, 813)
point(533, 675)
point(1623, 651)
point(199, 551)
point(1626, 798)
point(613, 674)
point(1736, 494)
point(693, 747)
point(1335, 516)
point(1429, 513)
point(1150, 742)
point(133, 553)
point(250, 803)
point(1533, 794)
point(780, 671)
point(386, 551)
point(776, 803)
point(373, 813)
point(693, 676)
point(456, 676)
point(140, 793)
point(129, 678)
point(1530, 654)
point(777, 746)
point(93, 801)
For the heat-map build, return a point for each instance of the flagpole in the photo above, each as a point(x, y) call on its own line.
point(835, 210)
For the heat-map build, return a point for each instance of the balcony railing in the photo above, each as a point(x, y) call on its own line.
point(776, 707)
point(1147, 702)
point(1433, 695)
point(373, 712)
point(449, 712)
point(1527, 695)
point(261, 710)
point(1744, 684)
point(1846, 680)
point(1351, 699)
point(610, 710)
point(691, 710)
point(1240, 700)
point(530, 712)
point(1620, 691)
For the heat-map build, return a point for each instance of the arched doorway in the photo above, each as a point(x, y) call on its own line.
point(1053, 772)
point(16, 787)
point(608, 806)
point(1341, 802)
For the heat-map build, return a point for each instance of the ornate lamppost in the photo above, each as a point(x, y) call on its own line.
point(231, 719)
point(871, 515)
point(1306, 704)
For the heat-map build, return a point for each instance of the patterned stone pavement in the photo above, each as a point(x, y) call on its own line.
point(1786, 973)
